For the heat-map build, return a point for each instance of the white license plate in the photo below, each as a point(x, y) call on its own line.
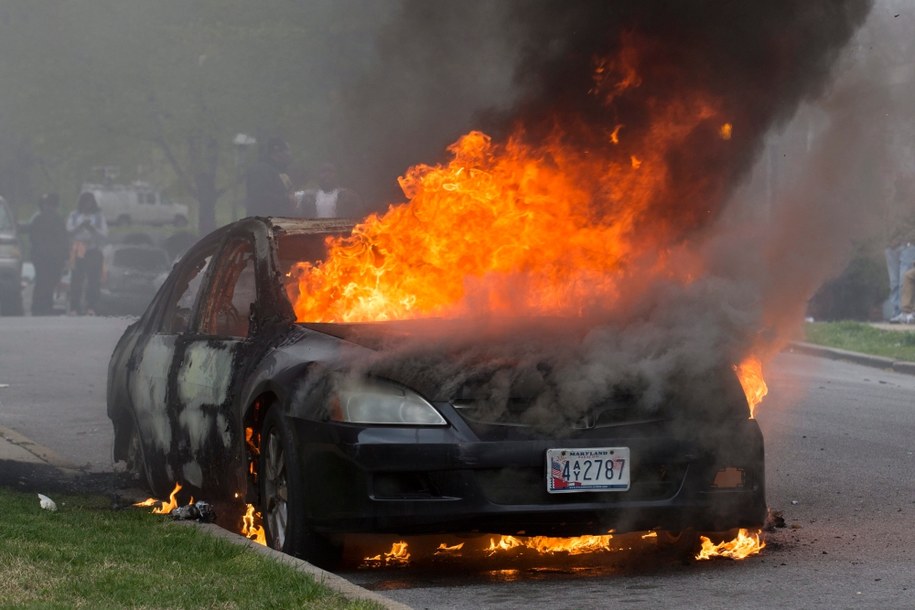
point(592, 469)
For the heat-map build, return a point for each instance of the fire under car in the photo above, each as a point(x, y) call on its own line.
point(402, 427)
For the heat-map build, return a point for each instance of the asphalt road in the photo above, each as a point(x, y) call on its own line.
point(839, 439)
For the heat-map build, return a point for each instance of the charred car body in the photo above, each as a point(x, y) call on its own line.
point(391, 427)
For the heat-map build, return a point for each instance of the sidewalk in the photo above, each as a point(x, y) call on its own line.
point(17, 448)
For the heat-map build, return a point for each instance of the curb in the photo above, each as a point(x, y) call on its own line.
point(328, 579)
point(43, 454)
point(880, 362)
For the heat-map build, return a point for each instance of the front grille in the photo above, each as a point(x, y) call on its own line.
point(486, 420)
point(519, 486)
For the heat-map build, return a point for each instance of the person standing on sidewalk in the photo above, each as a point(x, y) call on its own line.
point(330, 199)
point(89, 231)
point(900, 256)
point(49, 246)
point(900, 251)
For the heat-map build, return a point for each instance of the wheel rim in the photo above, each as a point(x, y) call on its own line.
point(275, 489)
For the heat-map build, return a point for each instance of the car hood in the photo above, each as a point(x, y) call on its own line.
point(452, 359)
point(537, 366)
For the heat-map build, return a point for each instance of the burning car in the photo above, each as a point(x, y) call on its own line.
point(404, 426)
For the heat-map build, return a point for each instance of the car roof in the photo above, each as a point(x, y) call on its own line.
point(311, 225)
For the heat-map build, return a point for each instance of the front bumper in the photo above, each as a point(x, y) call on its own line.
point(408, 481)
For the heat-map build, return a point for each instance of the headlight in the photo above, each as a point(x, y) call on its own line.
point(375, 402)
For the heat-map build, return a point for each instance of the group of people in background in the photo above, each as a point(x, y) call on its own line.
point(269, 191)
point(75, 243)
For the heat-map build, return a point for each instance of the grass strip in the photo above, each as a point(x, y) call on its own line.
point(87, 555)
point(863, 338)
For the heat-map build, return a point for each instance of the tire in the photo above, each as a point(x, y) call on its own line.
point(123, 220)
point(180, 221)
point(282, 497)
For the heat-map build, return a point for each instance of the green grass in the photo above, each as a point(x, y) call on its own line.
point(863, 338)
point(87, 555)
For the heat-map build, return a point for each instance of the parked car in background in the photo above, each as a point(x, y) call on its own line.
point(131, 275)
point(10, 263)
point(385, 427)
point(140, 203)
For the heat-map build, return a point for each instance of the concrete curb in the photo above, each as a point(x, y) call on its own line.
point(887, 364)
point(27, 447)
point(328, 579)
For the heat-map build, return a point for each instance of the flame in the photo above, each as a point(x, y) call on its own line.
point(726, 131)
point(252, 528)
point(615, 134)
point(444, 549)
point(741, 547)
point(252, 440)
point(750, 374)
point(521, 228)
point(397, 556)
point(164, 508)
point(577, 545)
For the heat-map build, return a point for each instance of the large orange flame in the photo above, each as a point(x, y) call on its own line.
point(520, 228)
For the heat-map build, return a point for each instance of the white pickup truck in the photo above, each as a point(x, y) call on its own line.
point(138, 203)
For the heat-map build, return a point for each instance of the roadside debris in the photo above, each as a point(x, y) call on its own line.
point(199, 511)
point(46, 502)
point(775, 519)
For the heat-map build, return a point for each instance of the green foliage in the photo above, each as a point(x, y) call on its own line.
point(88, 555)
point(864, 338)
point(161, 88)
point(856, 294)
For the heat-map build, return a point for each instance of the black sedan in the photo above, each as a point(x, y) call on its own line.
point(407, 427)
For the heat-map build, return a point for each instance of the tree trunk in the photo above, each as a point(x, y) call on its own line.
point(204, 161)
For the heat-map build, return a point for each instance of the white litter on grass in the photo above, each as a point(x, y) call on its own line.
point(46, 502)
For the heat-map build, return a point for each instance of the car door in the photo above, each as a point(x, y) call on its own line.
point(209, 363)
point(153, 365)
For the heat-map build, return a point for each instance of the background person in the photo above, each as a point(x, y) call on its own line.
point(89, 231)
point(50, 244)
point(329, 200)
point(268, 190)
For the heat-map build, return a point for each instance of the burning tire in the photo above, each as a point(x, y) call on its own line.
point(282, 496)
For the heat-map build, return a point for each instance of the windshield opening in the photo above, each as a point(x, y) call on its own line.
point(309, 249)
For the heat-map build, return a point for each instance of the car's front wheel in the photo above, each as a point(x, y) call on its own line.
point(282, 495)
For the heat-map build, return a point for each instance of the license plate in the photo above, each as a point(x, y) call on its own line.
point(592, 469)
